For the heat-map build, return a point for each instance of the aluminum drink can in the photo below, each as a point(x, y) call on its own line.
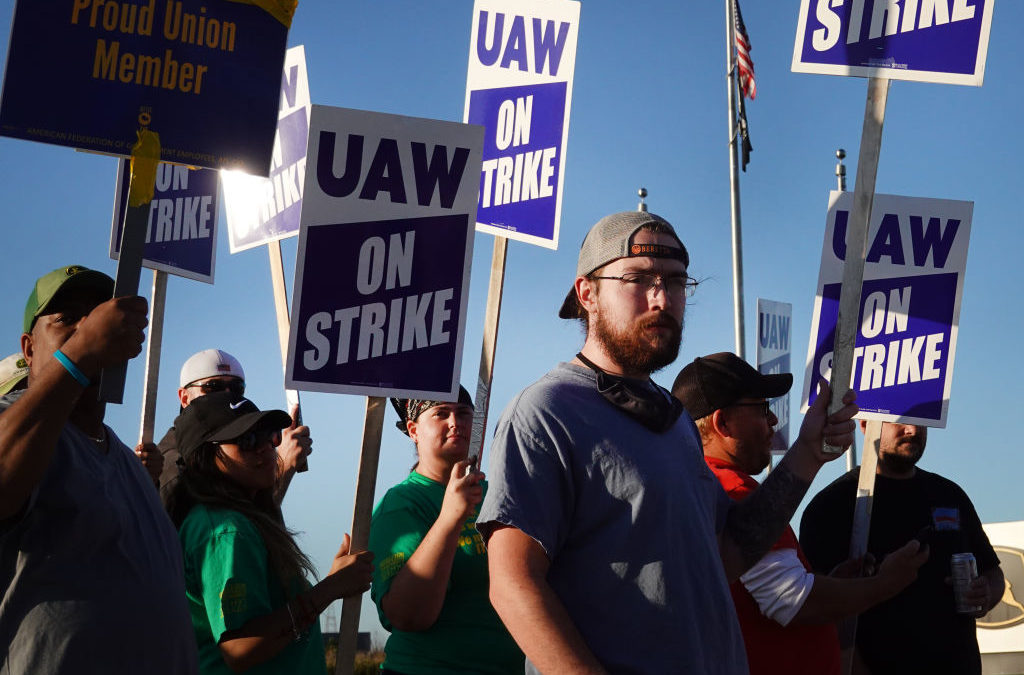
point(964, 570)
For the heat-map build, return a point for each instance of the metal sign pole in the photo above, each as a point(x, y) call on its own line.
point(856, 245)
point(369, 456)
point(281, 307)
point(154, 341)
point(859, 532)
point(486, 376)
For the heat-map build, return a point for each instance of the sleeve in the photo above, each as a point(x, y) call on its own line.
point(977, 540)
point(529, 487)
point(395, 533)
point(235, 578)
point(779, 584)
point(825, 531)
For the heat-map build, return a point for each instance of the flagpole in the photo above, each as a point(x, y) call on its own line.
point(734, 180)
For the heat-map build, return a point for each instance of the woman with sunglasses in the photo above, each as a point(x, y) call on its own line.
point(245, 578)
point(430, 587)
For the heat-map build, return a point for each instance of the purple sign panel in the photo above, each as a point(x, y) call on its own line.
point(522, 56)
point(379, 329)
point(181, 235)
point(928, 41)
point(521, 165)
point(385, 247)
point(909, 311)
point(774, 333)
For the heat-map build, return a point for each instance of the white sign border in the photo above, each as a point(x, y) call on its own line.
point(376, 213)
point(877, 211)
point(975, 79)
point(564, 10)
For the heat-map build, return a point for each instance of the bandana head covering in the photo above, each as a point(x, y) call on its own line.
point(412, 408)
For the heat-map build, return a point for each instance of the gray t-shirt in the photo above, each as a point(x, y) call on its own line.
point(91, 572)
point(628, 519)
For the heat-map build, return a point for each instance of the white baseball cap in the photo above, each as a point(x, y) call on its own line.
point(13, 370)
point(209, 363)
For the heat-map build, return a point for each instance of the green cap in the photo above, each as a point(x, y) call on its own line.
point(13, 370)
point(72, 276)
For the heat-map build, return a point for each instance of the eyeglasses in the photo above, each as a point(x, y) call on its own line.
point(234, 385)
point(252, 441)
point(675, 285)
point(764, 405)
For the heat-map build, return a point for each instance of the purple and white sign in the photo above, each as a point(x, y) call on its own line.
point(181, 235)
point(385, 248)
point(943, 41)
point(260, 210)
point(522, 56)
point(910, 306)
point(774, 330)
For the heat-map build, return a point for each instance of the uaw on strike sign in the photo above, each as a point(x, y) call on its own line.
point(385, 247)
point(522, 55)
point(910, 306)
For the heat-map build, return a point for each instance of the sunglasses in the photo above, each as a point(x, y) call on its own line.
point(764, 405)
point(252, 441)
point(235, 386)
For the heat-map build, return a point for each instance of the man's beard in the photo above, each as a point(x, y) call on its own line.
point(632, 350)
point(901, 462)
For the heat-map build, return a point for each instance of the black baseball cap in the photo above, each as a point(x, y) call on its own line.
point(219, 417)
point(717, 381)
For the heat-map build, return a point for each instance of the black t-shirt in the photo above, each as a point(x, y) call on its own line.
point(917, 631)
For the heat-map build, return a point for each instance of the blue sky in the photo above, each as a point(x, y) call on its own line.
point(648, 110)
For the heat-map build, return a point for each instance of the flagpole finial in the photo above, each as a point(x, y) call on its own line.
point(841, 169)
point(642, 192)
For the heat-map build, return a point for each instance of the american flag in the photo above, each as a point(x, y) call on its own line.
point(744, 66)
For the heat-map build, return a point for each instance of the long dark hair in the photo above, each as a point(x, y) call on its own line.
point(201, 482)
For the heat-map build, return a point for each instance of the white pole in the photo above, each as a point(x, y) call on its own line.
point(734, 179)
point(492, 315)
point(856, 245)
point(154, 340)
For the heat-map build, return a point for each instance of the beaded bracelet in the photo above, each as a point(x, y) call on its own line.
point(72, 369)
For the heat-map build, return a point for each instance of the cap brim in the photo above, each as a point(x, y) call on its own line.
point(276, 419)
point(772, 386)
point(571, 306)
point(85, 280)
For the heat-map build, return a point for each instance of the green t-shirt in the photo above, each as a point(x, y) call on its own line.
point(468, 636)
point(228, 582)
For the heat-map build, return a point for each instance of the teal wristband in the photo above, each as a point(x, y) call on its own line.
point(70, 366)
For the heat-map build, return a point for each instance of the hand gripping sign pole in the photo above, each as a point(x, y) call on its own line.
point(145, 158)
point(369, 456)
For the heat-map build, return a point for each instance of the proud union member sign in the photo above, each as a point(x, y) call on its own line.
point(942, 41)
point(910, 306)
point(385, 247)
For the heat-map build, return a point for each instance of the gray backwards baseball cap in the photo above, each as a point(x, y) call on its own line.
point(610, 239)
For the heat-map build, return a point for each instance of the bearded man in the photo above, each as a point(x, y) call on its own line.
point(611, 544)
point(918, 630)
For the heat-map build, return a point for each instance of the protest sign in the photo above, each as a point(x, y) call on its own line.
point(774, 330)
point(519, 86)
point(384, 255)
point(258, 209)
point(909, 314)
point(204, 76)
point(942, 41)
point(181, 234)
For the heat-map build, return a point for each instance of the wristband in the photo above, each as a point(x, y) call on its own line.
point(72, 369)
